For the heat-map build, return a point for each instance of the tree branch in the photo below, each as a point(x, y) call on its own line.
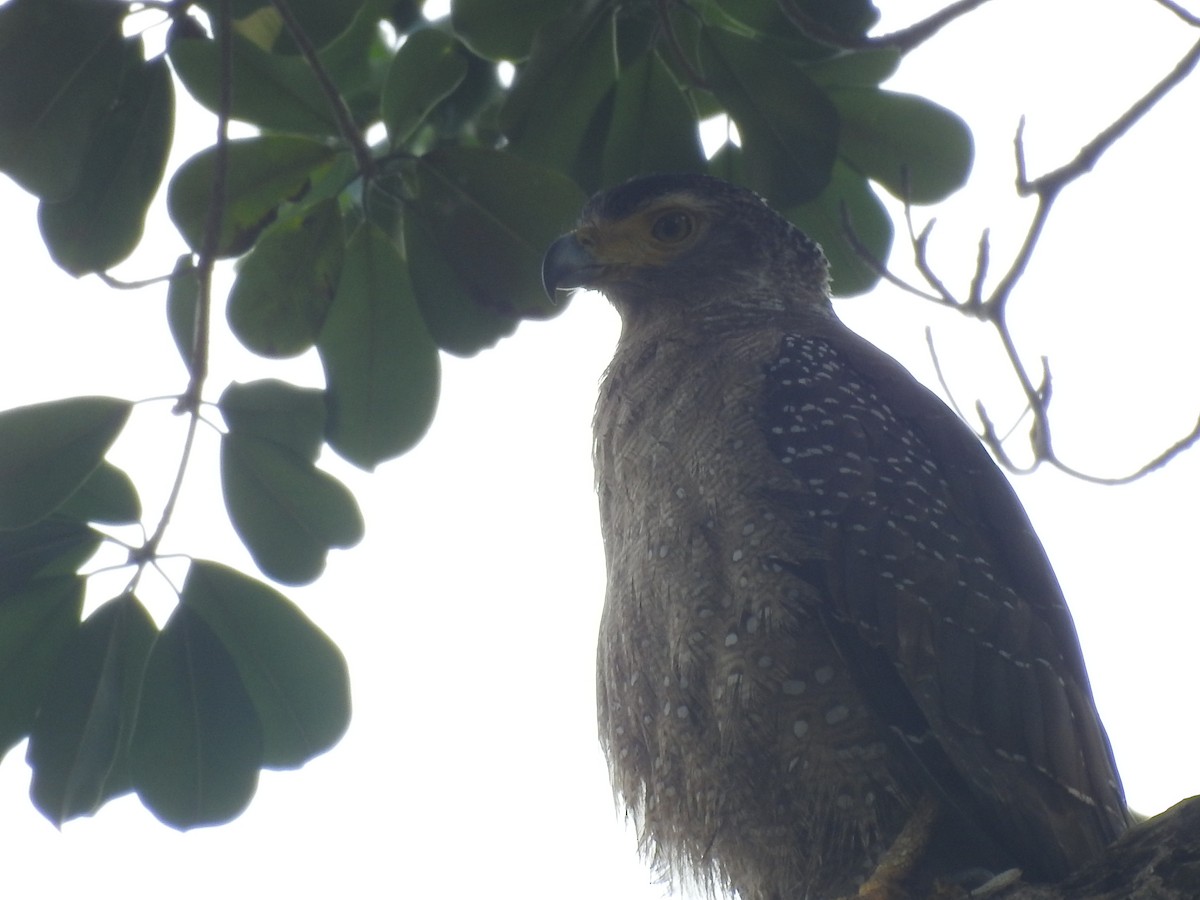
point(994, 307)
point(191, 399)
point(341, 112)
point(903, 40)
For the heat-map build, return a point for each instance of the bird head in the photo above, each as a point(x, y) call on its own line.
point(687, 244)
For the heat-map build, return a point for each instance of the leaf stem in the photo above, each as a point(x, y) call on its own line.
point(345, 120)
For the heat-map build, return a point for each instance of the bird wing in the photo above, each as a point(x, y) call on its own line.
point(941, 597)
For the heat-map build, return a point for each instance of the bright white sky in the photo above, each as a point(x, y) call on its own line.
point(469, 612)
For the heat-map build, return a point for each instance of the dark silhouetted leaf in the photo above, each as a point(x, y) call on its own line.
point(321, 20)
point(788, 125)
point(183, 295)
point(862, 68)
point(49, 449)
point(850, 18)
point(108, 496)
point(653, 127)
point(53, 546)
point(822, 220)
point(82, 730)
point(280, 93)
point(36, 623)
point(425, 70)
point(287, 512)
point(60, 65)
point(197, 745)
point(503, 29)
point(276, 411)
point(489, 217)
point(904, 142)
point(264, 173)
point(381, 366)
point(552, 101)
point(295, 675)
point(284, 287)
point(102, 221)
point(455, 320)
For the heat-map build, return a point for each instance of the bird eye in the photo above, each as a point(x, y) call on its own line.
point(672, 227)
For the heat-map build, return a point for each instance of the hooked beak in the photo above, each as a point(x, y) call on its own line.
point(568, 265)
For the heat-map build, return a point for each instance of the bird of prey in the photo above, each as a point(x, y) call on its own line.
point(833, 655)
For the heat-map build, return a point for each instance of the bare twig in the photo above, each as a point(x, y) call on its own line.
point(345, 120)
point(941, 376)
point(191, 399)
point(1087, 157)
point(903, 40)
point(993, 308)
point(874, 263)
point(119, 285)
point(1189, 18)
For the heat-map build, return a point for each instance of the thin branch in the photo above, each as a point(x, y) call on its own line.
point(118, 284)
point(149, 549)
point(1189, 18)
point(993, 308)
point(341, 112)
point(903, 40)
point(941, 376)
point(863, 252)
point(190, 402)
point(1052, 182)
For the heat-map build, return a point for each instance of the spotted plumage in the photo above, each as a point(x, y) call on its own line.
point(827, 614)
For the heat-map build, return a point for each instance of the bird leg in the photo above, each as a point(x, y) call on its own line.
point(903, 855)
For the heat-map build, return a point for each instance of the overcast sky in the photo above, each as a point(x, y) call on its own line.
point(469, 612)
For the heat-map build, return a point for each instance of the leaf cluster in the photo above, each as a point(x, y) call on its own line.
point(404, 177)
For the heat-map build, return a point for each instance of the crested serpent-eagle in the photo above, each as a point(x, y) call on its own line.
point(833, 652)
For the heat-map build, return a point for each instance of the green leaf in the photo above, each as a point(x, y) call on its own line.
point(788, 125)
point(885, 135)
point(197, 745)
point(36, 622)
point(381, 366)
point(53, 546)
point(107, 496)
point(183, 296)
point(849, 18)
point(488, 216)
point(276, 411)
point(279, 93)
point(860, 68)
point(287, 512)
point(357, 61)
point(457, 323)
point(503, 29)
point(296, 676)
point(653, 127)
point(553, 100)
point(101, 223)
point(264, 173)
point(284, 287)
point(425, 70)
point(821, 219)
point(82, 730)
point(321, 20)
point(49, 449)
point(60, 65)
